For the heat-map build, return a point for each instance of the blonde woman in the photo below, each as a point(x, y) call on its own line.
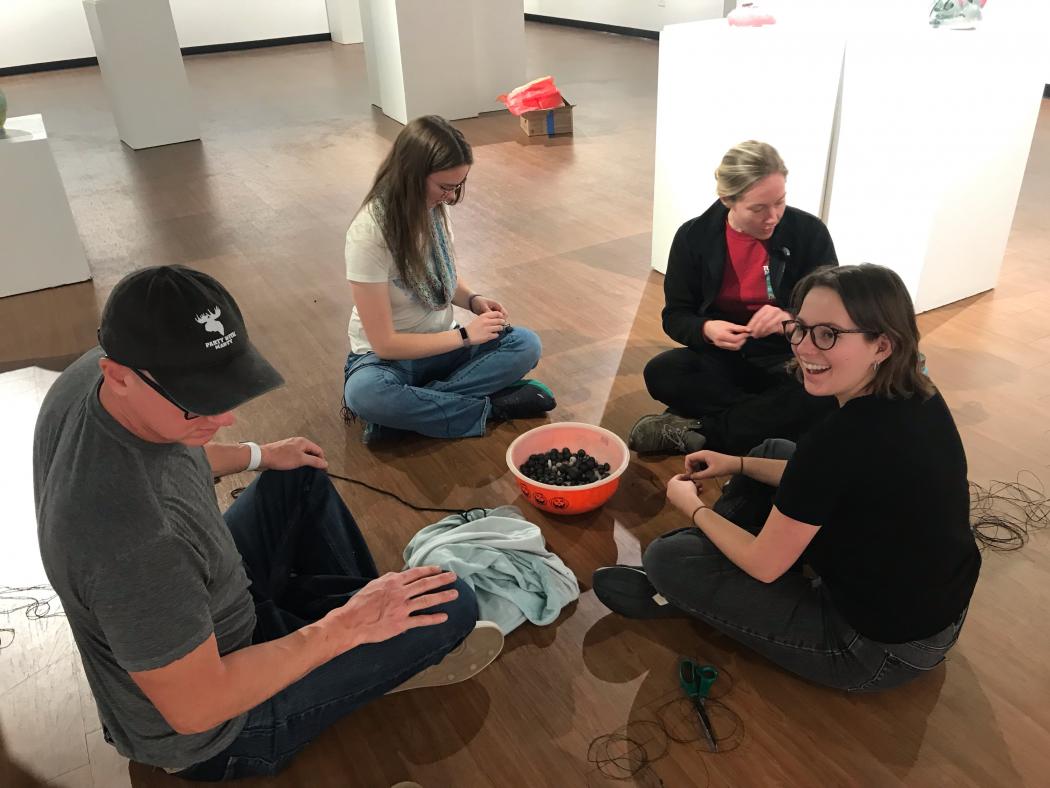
point(729, 276)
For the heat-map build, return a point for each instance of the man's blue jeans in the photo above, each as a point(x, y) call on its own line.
point(305, 556)
point(444, 396)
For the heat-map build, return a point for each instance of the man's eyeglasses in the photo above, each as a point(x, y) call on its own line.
point(157, 388)
point(150, 382)
point(824, 336)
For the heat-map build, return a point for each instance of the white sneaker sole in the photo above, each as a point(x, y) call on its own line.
point(473, 655)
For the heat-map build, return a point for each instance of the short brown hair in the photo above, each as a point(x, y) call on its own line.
point(877, 301)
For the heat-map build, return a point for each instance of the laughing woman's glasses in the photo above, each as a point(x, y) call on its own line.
point(824, 336)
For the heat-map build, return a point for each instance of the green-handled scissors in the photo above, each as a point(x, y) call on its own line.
point(696, 681)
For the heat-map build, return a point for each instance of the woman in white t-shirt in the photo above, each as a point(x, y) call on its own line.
point(411, 365)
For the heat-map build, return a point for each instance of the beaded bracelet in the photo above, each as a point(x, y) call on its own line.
point(692, 519)
point(470, 301)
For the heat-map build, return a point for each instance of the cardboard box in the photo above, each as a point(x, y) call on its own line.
point(548, 121)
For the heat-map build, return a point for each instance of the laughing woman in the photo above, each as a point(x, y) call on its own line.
point(411, 366)
point(873, 504)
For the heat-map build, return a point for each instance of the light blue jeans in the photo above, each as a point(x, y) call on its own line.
point(444, 396)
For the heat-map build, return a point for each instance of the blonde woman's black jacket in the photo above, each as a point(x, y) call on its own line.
point(800, 243)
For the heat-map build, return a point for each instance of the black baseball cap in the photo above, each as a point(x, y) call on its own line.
point(185, 329)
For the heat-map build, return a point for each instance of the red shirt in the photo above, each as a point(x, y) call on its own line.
point(744, 285)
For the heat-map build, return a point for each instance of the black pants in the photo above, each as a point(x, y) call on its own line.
point(742, 399)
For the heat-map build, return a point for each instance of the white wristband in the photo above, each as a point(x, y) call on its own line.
point(256, 458)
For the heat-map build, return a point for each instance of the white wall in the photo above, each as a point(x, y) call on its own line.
point(640, 14)
point(201, 22)
point(40, 31)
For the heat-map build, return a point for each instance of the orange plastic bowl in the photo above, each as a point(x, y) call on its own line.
point(601, 444)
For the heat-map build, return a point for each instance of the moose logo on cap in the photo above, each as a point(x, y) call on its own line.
point(210, 321)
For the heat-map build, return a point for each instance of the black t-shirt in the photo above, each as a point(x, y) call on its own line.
point(886, 482)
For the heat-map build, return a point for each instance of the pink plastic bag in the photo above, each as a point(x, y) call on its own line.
point(538, 94)
point(749, 15)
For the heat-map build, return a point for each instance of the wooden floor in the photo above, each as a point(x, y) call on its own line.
point(560, 232)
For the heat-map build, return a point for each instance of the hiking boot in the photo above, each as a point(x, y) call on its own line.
point(466, 660)
point(626, 590)
point(666, 433)
point(526, 399)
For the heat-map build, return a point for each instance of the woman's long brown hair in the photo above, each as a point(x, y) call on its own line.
point(397, 198)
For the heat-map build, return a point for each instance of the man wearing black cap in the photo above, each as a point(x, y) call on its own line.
point(217, 646)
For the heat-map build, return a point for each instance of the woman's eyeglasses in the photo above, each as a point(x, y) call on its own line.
point(824, 336)
point(446, 189)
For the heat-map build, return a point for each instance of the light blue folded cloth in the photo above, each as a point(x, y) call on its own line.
point(504, 558)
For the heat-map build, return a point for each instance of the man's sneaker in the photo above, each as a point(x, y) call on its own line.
point(626, 590)
point(666, 433)
point(526, 399)
point(466, 660)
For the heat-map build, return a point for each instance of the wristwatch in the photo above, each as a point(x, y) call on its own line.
point(463, 333)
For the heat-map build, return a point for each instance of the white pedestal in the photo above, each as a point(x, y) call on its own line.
point(344, 21)
point(721, 85)
point(499, 50)
point(41, 247)
point(450, 58)
point(932, 145)
point(138, 53)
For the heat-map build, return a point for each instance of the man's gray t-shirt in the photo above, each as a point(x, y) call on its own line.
point(134, 544)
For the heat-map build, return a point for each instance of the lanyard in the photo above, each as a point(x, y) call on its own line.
point(770, 295)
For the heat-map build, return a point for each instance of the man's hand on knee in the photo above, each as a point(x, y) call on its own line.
point(389, 606)
point(292, 453)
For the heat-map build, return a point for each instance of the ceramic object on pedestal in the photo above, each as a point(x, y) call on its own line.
point(956, 14)
point(3, 110)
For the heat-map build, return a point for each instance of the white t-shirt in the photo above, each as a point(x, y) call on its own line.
point(368, 259)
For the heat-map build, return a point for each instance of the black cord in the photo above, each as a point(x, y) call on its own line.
point(237, 491)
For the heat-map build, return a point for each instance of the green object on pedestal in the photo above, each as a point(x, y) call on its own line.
point(956, 14)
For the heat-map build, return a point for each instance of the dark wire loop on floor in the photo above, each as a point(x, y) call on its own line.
point(238, 490)
point(1004, 515)
point(678, 716)
point(629, 752)
point(34, 600)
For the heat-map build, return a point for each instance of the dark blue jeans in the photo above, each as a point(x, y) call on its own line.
point(305, 556)
point(791, 621)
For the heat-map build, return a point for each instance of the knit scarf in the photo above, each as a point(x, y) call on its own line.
point(440, 285)
point(434, 290)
